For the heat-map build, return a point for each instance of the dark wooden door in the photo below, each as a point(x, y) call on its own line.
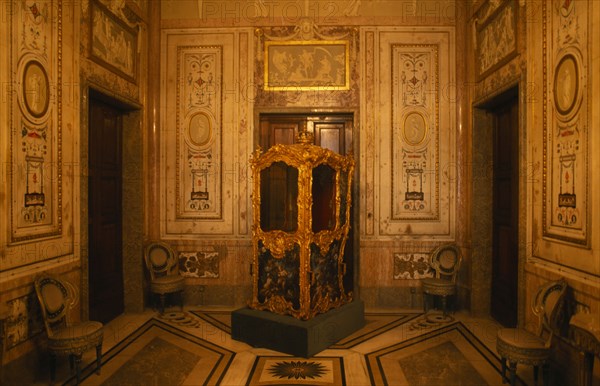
point(331, 131)
point(505, 213)
point(105, 213)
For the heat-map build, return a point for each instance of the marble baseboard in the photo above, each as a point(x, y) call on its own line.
point(407, 298)
point(397, 298)
point(217, 295)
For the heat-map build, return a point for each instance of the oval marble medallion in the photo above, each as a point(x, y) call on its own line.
point(566, 84)
point(415, 128)
point(199, 129)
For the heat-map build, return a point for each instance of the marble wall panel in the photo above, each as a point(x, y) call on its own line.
point(226, 278)
point(24, 320)
point(566, 123)
point(411, 266)
point(37, 152)
point(496, 35)
point(564, 142)
point(415, 132)
point(204, 264)
point(369, 127)
point(292, 12)
point(113, 43)
point(415, 127)
point(36, 115)
point(205, 137)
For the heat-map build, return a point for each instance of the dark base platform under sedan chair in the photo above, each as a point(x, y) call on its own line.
point(64, 338)
point(516, 345)
point(301, 200)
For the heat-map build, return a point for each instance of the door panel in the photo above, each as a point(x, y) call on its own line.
point(330, 136)
point(105, 214)
point(285, 133)
point(505, 247)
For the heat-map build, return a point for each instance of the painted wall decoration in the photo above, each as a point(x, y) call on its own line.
point(411, 266)
point(206, 94)
point(496, 36)
point(566, 20)
point(488, 9)
point(199, 134)
point(35, 25)
point(24, 320)
point(202, 264)
point(34, 142)
point(367, 163)
point(36, 114)
point(415, 148)
point(412, 159)
point(566, 123)
point(113, 43)
point(307, 65)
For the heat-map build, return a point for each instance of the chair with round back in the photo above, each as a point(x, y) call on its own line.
point(164, 275)
point(56, 297)
point(445, 260)
point(517, 345)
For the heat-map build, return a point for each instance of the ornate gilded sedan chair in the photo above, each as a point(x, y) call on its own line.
point(56, 297)
point(164, 273)
point(445, 261)
point(517, 345)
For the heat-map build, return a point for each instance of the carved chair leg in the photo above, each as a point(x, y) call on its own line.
point(52, 367)
point(444, 306)
point(98, 358)
point(546, 374)
point(504, 379)
point(78, 368)
point(512, 368)
point(162, 303)
point(587, 368)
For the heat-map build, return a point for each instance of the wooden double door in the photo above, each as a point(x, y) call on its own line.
point(105, 260)
point(505, 248)
point(331, 131)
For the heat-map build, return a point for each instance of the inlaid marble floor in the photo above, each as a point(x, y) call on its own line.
point(194, 347)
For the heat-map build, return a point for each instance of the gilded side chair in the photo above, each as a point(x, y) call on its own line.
point(516, 345)
point(164, 274)
point(445, 260)
point(56, 297)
